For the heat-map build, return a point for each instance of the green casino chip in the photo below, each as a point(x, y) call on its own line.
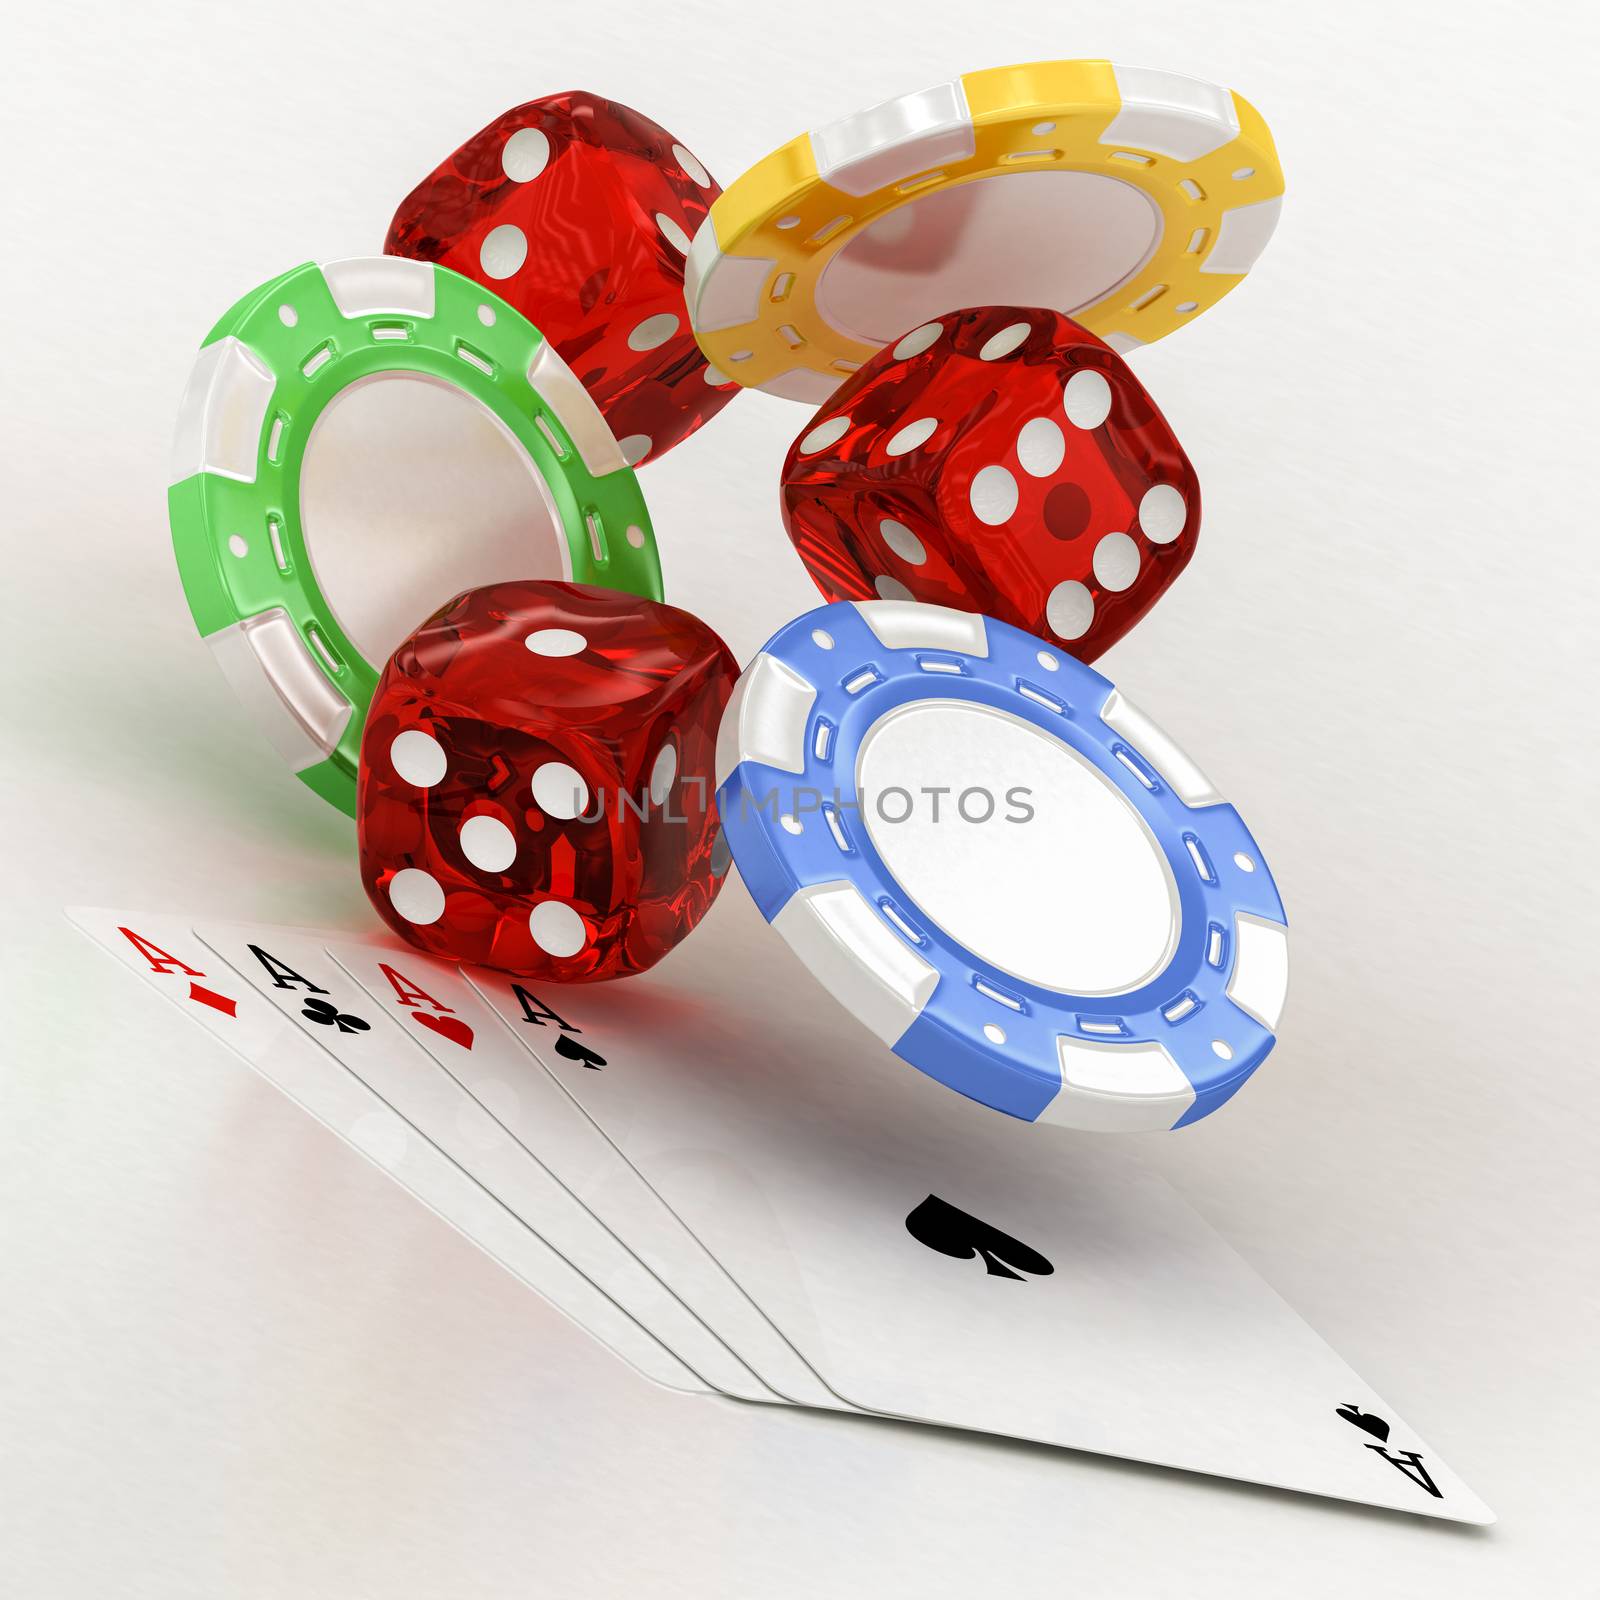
point(295, 616)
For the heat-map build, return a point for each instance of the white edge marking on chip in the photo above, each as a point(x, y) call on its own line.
point(223, 411)
point(704, 249)
point(1242, 235)
point(1172, 115)
point(765, 719)
point(361, 285)
point(1117, 1088)
point(858, 959)
point(906, 625)
point(1259, 983)
point(883, 145)
point(803, 384)
point(1184, 778)
point(286, 693)
point(555, 383)
point(726, 291)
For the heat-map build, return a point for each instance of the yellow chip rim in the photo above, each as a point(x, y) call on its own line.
point(1202, 156)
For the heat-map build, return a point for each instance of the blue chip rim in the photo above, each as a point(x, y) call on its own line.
point(1161, 1054)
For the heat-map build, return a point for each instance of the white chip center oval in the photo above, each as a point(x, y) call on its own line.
point(412, 491)
point(1086, 234)
point(1077, 898)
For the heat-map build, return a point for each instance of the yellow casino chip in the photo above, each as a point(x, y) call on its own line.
point(1129, 199)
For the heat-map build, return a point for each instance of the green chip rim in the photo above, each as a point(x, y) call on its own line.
point(265, 373)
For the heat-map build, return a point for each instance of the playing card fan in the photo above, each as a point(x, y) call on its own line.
point(727, 1188)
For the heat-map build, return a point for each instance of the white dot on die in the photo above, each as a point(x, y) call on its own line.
point(792, 824)
point(663, 771)
point(288, 316)
point(1041, 447)
point(1186, 306)
point(822, 639)
point(911, 436)
point(691, 166)
point(556, 642)
point(672, 233)
point(1243, 862)
point(1087, 399)
point(994, 1033)
point(238, 547)
point(903, 542)
point(653, 332)
point(1003, 343)
point(635, 447)
point(1048, 661)
point(790, 221)
point(559, 790)
point(824, 434)
point(1116, 561)
point(486, 316)
point(416, 896)
point(488, 843)
point(1069, 610)
point(1042, 128)
point(635, 536)
point(1162, 514)
point(1222, 1049)
point(891, 588)
point(418, 758)
point(557, 929)
point(993, 495)
point(503, 251)
point(918, 340)
point(525, 155)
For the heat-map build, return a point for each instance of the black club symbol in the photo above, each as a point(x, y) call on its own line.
point(331, 1016)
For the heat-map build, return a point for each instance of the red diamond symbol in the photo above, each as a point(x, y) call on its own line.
point(210, 997)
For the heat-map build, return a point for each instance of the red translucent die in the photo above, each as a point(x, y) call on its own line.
point(1000, 460)
point(580, 213)
point(537, 790)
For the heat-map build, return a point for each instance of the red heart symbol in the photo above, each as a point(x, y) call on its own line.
point(453, 1028)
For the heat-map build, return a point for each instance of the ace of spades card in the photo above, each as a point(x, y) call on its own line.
point(934, 1260)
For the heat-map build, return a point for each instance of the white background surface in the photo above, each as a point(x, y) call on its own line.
point(236, 1361)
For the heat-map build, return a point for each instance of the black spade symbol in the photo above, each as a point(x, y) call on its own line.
point(1376, 1426)
point(569, 1047)
point(954, 1232)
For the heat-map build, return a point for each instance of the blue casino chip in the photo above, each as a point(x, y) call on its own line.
point(1006, 871)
